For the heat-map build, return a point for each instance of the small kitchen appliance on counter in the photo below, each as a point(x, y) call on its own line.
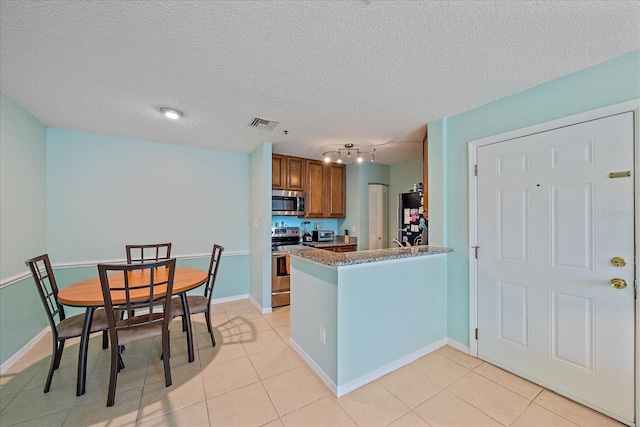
point(306, 231)
point(323, 235)
point(280, 275)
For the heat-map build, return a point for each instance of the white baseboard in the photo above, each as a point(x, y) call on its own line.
point(371, 376)
point(259, 307)
point(28, 346)
point(313, 365)
point(227, 299)
point(390, 367)
point(458, 346)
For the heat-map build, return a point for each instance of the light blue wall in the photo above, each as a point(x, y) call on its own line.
point(403, 176)
point(437, 169)
point(104, 192)
point(609, 83)
point(23, 199)
point(314, 304)
point(387, 311)
point(81, 197)
point(374, 315)
point(23, 224)
point(259, 224)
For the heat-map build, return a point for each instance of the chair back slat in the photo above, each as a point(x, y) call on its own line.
point(148, 252)
point(129, 287)
point(214, 263)
point(45, 281)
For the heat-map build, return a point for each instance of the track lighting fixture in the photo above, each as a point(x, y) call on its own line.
point(330, 155)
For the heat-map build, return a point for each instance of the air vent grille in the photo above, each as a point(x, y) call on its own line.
point(264, 124)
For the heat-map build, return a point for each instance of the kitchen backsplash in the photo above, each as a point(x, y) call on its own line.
point(294, 221)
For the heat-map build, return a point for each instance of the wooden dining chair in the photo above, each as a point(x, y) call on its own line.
point(148, 252)
point(197, 303)
point(129, 287)
point(62, 327)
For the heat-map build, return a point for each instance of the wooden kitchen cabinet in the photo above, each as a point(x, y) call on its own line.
point(326, 190)
point(345, 248)
point(336, 189)
point(278, 172)
point(287, 173)
point(315, 194)
point(295, 174)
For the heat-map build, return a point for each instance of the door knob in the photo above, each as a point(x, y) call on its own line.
point(618, 261)
point(618, 283)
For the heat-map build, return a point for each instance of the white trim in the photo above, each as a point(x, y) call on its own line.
point(341, 390)
point(473, 241)
point(215, 301)
point(28, 346)
point(599, 113)
point(636, 225)
point(14, 279)
point(389, 367)
point(458, 346)
point(265, 310)
point(314, 366)
point(81, 264)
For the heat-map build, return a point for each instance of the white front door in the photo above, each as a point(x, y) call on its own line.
point(550, 221)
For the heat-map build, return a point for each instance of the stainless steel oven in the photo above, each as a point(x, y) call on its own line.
point(280, 274)
point(280, 279)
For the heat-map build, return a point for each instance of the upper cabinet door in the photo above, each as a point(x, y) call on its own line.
point(336, 186)
point(278, 172)
point(295, 174)
point(315, 195)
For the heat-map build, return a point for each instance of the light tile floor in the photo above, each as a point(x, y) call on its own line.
point(253, 378)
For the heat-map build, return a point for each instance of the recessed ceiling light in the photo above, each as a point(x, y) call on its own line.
point(171, 113)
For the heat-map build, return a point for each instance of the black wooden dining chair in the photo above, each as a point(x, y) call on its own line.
point(148, 252)
point(198, 303)
point(155, 319)
point(64, 327)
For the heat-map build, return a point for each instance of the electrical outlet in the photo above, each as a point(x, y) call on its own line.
point(321, 335)
point(353, 229)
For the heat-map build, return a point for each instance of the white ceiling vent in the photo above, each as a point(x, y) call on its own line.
point(263, 123)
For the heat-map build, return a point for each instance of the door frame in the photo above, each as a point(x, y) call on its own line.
point(473, 147)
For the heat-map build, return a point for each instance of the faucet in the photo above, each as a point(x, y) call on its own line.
point(398, 242)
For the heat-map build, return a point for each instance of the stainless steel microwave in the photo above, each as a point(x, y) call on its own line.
point(287, 202)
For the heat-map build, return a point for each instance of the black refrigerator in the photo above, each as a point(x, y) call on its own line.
point(412, 224)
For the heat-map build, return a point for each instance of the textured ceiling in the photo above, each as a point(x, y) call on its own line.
point(331, 72)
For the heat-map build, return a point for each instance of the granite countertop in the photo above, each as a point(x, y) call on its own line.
point(335, 259)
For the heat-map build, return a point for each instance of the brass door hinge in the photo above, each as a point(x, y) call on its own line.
point(476, 334)
point(475, 248)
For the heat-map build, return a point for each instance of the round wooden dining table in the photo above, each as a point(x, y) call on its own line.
point(88, 294)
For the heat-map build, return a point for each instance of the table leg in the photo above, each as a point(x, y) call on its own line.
point(82, 352)
point(187, 318)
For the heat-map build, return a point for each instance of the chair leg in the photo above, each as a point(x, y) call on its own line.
point(184, 324)
point(165, 360)
point(207, 316)
point(55, 362)
point(120, 363)
point(59, 354)
point(105, 339)
point(113, 376)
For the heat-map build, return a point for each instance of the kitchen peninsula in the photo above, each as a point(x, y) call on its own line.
point(356, 316)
